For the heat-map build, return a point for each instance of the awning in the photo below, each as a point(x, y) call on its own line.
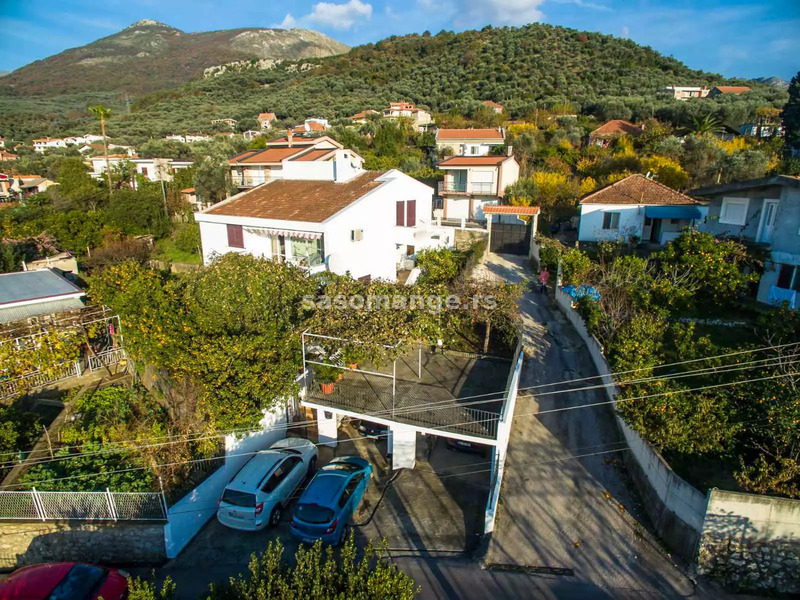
point(672, 212)
point(265, 232)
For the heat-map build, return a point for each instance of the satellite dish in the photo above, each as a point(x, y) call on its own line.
point(336, 263)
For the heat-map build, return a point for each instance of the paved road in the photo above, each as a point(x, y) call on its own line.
point(557, 510)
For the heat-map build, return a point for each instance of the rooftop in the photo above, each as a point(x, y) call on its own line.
point(748, 184)
point(473, 161)
point(268, 156)
point(638, 189)
point(298, 200)
point(31, 293)
point(732, 89)
point(470, 134)
point(496, 209)
point(617, 127)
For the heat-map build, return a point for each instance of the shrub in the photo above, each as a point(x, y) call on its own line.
point(187, 238)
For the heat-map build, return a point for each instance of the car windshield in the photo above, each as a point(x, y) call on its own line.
point(313, 513)
point(82, 581)
point(239, 498)
point(341, 466)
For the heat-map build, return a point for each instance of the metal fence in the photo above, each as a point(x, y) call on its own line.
point(35, 379)
point(34, 505)
point(106, 358)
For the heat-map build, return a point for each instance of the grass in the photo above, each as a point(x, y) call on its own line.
point(167, 251)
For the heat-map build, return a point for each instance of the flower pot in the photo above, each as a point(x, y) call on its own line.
point(352, 366)
point(327, 388)
point(340, 376)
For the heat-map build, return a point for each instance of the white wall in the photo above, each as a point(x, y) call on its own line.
point(188, 516)
point(464, 147)
point(631, 220)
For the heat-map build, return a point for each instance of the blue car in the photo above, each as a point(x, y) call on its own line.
point(324, 510)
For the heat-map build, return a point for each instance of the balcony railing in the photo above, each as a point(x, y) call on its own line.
point(476, 188)
point(244, 181)
point(449, 187)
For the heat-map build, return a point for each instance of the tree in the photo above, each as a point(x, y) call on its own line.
point(75, 184)
point(211, 180)
point(706, 124)
point(319, 574)
point(103, 113)
point(791, 114)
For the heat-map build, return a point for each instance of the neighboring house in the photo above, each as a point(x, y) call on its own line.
point(7, 156)
point(2, 142)
point(363, 116)
point(312, 125)
point(189, 138)
point(33, 185)
point(418, 116)
point(265, 119)
point(682, 92)
point(289, 158)
point(469, 142)
point(42, 144)
point(760, 130)
point(5, 188)
point(154, 169)
point(610, 131)
point(721, 90)
point(229, 122)
point(497, 108)
point(251, 133)
point(62, 262)
point(357, 222)
point(189, 195)
point(637, 208)
point(29, 294)
point(470, 182)
point(763, 211)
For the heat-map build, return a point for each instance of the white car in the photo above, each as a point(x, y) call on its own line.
point(256, 496)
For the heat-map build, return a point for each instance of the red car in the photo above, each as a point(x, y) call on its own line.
point(65, 581)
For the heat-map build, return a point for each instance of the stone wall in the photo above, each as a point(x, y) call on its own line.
point(751, 543)
point(464, 238)
point(31, 542)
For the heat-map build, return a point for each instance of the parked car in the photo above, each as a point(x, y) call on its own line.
point(256, 496)
point(329, 501)
point(371, 430)
point(65, 581)
point(465, 446)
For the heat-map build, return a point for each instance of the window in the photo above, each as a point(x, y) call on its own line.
point(356, 235)
point(235, 236)
point(734, 211)
point(349, 489)
point(611, 220)
point(474, 150)
point(308, 253)
point(281, 473)
point(406, 213)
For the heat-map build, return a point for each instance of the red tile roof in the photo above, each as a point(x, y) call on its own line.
point(732, 89)
point(495, 209)
point(638, 189)
point(492, 103)
point(270, 156)
point(266, 116)
point(617, 127)
point(187, 191)
point(365, 113)
point(469, 134)
point(297, 200)
point(313, 155)
point(473, 161)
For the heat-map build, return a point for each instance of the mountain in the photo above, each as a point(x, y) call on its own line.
point(773, 81)
point(149, 56)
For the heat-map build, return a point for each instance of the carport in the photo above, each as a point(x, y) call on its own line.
point(512, 229)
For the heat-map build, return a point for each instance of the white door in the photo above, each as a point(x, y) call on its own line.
point(769, 212)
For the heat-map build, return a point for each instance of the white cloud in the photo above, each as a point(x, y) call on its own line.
point(497, 12)
point(625, 31)
point(332, 16)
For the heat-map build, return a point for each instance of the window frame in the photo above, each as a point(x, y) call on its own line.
point(611, 214)
point(727, 201)
point(239, 231)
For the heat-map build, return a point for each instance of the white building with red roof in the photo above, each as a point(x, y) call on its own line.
point(469, 142)
point(470, 182)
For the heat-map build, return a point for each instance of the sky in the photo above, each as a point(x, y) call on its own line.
point(737, 38)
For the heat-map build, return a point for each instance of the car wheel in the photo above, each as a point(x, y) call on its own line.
point(312, 465)
point(275, 516)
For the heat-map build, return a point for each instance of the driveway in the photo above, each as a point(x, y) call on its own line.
point(565, 503)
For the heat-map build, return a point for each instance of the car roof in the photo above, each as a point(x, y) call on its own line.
point(255, 470)
point(324, 489)
point(291, 443)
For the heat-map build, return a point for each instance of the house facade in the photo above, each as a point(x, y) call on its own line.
point(229, 122)
point(363, 116)
point(612, 130)
point(497, 108)
point(265, 119)
point(418, 116)
point(637, 208)
point(469, 142)
point(364, 223)
point(470, 182)
point(766, 212)
point(684, 92)
point(154, 169)
point(42, 144)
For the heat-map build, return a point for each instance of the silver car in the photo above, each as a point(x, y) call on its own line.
point(256, 496)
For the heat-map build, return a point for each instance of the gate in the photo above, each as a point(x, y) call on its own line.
point(510, 238)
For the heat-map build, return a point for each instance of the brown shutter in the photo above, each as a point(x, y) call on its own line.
point(235, 236)
point(412, 213)
point(401, 213)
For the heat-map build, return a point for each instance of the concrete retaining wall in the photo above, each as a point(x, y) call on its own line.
point(27, 543)
point(675, 507)
point(751, 543)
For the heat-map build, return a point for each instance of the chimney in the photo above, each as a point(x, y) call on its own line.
point(289, 136)
point(510, 151)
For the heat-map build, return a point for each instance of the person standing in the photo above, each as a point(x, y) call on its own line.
point(544, 276)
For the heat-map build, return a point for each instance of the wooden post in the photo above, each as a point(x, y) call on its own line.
point(49, 445)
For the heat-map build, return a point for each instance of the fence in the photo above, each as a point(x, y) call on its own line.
point(34, 505)
point(106, 358)
point(11, 387)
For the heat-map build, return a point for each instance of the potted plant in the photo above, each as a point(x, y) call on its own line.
point(351, 358)
point(327, 377)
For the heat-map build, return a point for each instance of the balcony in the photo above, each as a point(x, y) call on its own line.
point(247, 181)
point(471, 188)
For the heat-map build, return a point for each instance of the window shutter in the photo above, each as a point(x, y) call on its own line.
point(235, 236)
point(412, 213)
point(401, 209)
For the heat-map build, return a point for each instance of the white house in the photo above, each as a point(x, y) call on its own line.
point(155, 169)
point(419, 116)
point(469, 142)
point(265, 119)
point(42, 144)
point(470, 182)
point(497, 108)
point(364, 223)
point(637, 208)
point(684, 92)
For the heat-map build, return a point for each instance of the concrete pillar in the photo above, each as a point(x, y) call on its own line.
point(327, 428)
point(402, 446)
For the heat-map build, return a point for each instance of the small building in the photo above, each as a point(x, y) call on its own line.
point(154, 169)
point(418, 116)
point(311, 125)
point(766, 212)
point(497, 108)
point(251, 134)
point(637, 208)
point(721, 90)
point(364, 116)
point(7, 156)
point(189, 196)
point(266, 119)
point(365, 223)
point(612, 130)
point(469, 142)
point(29, 294)
point(683, 92)
point(229, 122)
point(470, 182)
point(42, 144)
point(761, 130)
point(63, 262)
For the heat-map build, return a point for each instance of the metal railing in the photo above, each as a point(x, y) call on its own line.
point(449, 187)
point(248, 180)
point(35, 379)
point(34, 505)
point(106, 358)
point(482, 188)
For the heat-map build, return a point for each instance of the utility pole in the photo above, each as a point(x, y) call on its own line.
point(47, 436)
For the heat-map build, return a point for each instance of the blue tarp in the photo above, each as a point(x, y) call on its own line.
point(672, 212)
point(580, 292)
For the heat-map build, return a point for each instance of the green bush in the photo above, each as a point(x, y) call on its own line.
point(591, 312)
point(440, 265)
point(187, 238)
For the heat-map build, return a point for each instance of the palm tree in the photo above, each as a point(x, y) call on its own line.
point(706, 124)
point(102, 113)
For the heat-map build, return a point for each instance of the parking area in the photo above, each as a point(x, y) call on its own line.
point(435, 508)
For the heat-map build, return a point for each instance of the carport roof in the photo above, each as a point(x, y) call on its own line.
point(495, 209)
